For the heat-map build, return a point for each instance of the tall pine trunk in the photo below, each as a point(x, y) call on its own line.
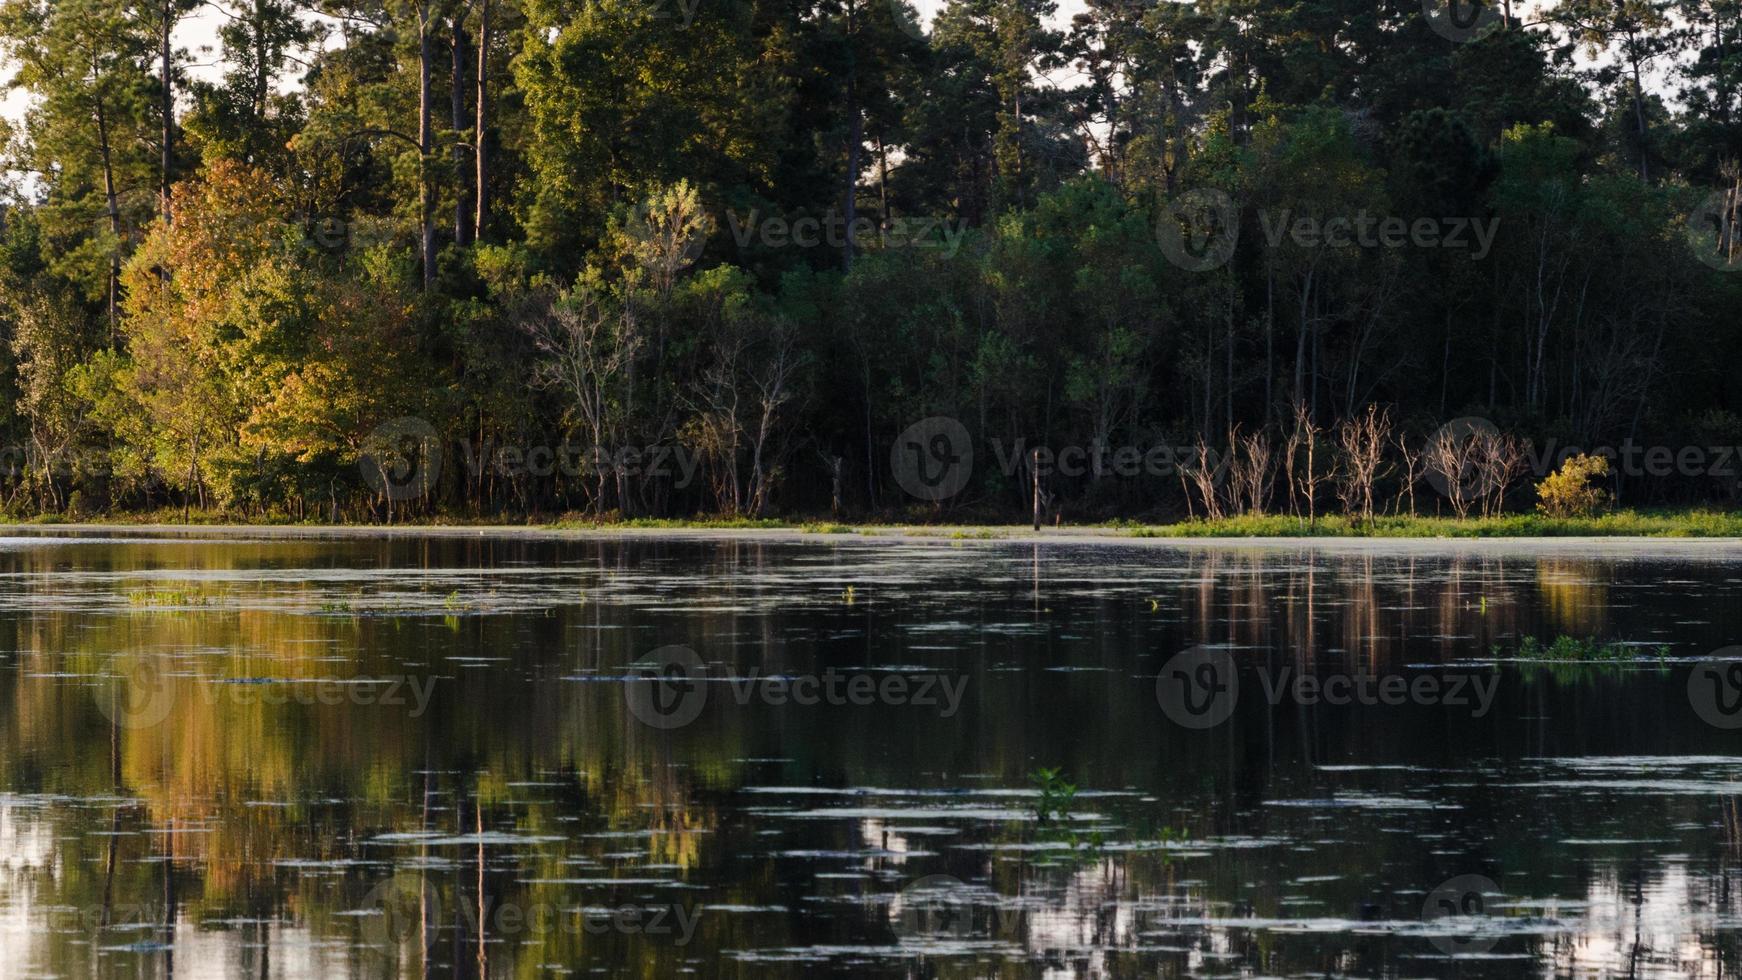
point(110, 199)
point(425, 193)
point(462, 193)
point(855, 138)
point(481, 158)
point(166, 107)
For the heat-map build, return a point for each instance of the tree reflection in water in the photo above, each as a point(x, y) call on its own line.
point(396, 756)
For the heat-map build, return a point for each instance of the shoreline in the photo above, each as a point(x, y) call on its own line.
point(872, 535)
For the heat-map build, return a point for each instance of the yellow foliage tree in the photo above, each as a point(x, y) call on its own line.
point(1568, 492)
point(247, 345)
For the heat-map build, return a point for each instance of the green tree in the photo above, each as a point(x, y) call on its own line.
point(87, 137)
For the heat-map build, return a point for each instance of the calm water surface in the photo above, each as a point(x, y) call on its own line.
point(443, 755)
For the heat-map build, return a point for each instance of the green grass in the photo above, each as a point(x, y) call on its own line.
point(1691, 523)
point(1632, 523)
point(318, 518)
point(173, 515)
point(677, 523)
point(957, 533)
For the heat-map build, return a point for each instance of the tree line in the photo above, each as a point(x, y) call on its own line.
point(760, 239)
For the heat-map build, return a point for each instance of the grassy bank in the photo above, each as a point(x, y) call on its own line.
point(569, 522)
point(1622, 523)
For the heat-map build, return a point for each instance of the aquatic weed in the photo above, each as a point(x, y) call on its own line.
point(1571, 649)
point(166, 597)
point(1057, 795)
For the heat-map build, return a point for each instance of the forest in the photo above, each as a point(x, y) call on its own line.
point(370, 260)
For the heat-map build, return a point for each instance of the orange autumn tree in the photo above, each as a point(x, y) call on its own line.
point(249, 348)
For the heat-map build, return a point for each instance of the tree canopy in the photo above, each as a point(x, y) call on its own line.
point(662, 257)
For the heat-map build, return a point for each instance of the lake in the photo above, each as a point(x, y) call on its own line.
point(482, 754)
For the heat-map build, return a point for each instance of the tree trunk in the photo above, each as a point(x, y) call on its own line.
point(481, 183)
point(1034, 473)
point(1228, 362)
point(1300, 345)
point(193, 477)
point(1639, 117)
point(462, 194)
point(426, 196)
point(167, 107)
point(855, 137)
point(110, 200)
point(261, 69)
point(882, 187)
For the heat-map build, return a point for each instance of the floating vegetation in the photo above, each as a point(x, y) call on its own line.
point(827, 528)
point(395, 605)
point(1057, 795)
point(167, 597)
point(1570, 649)
point(1054, 814)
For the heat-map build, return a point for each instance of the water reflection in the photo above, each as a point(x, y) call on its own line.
point(415, 756)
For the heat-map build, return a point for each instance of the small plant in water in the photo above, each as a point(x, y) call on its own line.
point(1056, 795)
point(1052, 811)
point(849, 594)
